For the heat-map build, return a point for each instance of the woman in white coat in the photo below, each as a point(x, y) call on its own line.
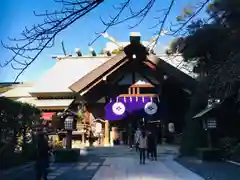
point(136, 137)
point(142, 146)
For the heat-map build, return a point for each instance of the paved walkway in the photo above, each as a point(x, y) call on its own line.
point(118, 163)
point(129, 169)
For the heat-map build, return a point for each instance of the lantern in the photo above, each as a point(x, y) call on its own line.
point(68, 123)
point(211, 123)
point(68, 126)
point(208, 125)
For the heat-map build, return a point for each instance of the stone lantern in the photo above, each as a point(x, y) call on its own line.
point(68, 126)
point(209, 124)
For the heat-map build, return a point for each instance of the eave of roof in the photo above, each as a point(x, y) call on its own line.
point(46, 102)
point(203, 112)
point(17, 92)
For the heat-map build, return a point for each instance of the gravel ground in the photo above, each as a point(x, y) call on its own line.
point(211, 170)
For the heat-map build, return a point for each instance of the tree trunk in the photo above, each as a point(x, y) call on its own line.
point(193, 132)
point(24, 134)
point(14, 141)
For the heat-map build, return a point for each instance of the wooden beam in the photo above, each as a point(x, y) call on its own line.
point(52, 108)
point(142, 85)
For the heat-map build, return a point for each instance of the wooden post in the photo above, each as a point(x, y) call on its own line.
point(83, 138)
point(209, 138)
point(129, 90)
point(106, 133)
point(138, 90)
point(133, 90)
point(69, 140)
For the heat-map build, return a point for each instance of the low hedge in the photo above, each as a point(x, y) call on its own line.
point(66, 155)
point(30, 151)
point(9, 160)
point(208, 154)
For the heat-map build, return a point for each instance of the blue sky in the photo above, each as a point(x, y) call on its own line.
point(16, 14)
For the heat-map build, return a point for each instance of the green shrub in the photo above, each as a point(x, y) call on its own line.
point(66, 155)
point(58, 144)
point(177, 138)
point(30, 151)
point(235, 153)
point(226, 144)
point(208, 154)
point(9, 160)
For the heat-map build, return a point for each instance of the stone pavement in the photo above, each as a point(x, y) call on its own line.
point(127, 168)
point(211, 170)
point(83, 170)
point(116, 163)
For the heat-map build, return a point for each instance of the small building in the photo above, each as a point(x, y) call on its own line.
point(226, 113)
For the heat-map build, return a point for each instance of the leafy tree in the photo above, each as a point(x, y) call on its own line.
point(214, 45)
point(15, 119)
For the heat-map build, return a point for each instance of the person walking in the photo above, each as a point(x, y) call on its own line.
point(148, 145)
point(42, 157)
point(152, 146)
point(130, 136)
point(136, 137)
point(142, 146)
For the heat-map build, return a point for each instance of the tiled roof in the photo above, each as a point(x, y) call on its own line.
point(178, 62)
point(65, 72)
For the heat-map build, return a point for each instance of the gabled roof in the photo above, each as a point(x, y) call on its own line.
point(95, 74)
point(98, 74)
point(65, 72)
point(170, 70)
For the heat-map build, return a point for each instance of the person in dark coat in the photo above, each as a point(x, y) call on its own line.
point(152, 146)
point(42, 157)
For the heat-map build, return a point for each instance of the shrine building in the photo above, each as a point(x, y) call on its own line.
point(121, 90)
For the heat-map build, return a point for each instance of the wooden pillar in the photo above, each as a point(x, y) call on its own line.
point(138, 90)
point(69, 140)
point(133, 90)
point(106, 133)
point(129, 91)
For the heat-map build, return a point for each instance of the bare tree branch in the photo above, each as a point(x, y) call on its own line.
point(113, 20)
point(176, 32)
point(42, 36)
point(163, 22)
